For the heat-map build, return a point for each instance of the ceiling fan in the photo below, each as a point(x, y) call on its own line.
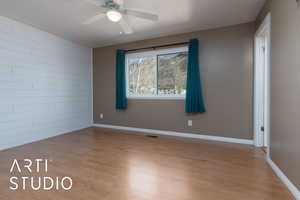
point(114, 10)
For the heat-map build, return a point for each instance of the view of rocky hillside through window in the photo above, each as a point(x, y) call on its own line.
point(163, 74)
point(172, 73)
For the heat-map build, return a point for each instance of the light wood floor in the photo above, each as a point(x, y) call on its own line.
point(114, 165)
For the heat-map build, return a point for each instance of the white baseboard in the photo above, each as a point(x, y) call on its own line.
point(178, 134)
point(294, 190)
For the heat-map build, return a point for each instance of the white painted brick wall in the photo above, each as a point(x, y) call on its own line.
point(45, 85)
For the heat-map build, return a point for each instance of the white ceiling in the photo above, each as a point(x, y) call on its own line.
point(64, 18)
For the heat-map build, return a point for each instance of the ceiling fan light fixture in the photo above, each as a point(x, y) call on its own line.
point(114, 16)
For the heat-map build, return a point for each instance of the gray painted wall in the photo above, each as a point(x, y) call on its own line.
point(285, 87)
point(45, 85)
point(226, 57)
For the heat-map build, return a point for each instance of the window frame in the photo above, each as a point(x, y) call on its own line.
point(155, 53)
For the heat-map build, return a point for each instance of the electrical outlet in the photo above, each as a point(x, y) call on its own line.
point(101, 116)
point(190, 122)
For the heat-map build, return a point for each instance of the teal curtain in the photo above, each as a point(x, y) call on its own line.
point(121, 101)
point(194, 99)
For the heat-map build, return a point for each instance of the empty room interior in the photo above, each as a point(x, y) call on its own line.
point(149, 100)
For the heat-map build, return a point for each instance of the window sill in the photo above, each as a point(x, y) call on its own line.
point(157, 97)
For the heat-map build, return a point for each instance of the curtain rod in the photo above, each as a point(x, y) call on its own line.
point(159, 46)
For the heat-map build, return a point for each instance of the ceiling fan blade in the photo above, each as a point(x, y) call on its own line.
point(140, 14)
point(94, 19)
point(119, 2)
point(125, 26)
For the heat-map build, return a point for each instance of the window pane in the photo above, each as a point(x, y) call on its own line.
point(142, 76)
point(172, 73)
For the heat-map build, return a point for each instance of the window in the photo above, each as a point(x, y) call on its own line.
point(157, 74)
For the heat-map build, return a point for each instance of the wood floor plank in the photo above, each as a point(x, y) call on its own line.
point(115, 165)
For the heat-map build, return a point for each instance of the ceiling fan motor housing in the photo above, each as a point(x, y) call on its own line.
point(114, 10)
point(111, 4)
